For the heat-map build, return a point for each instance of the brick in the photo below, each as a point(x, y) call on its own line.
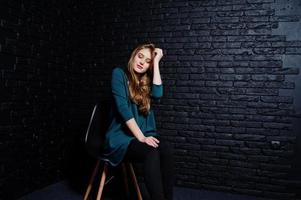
point(287, 44)
point(292, 51)
point(255, 31)
point(205, 141)
point(227, 70)
point(286, 71)
point(197, 33)
point(284, 85)
point(241, 98)
point(246, 150)
point(201, 20)
point(229, 142)
point(269, 51)
point(272, 64)
point(254, 19)
point(252, 6)
point(230, 13)
point(236, 51)
point(225, 32)
point(259, 12)
point(262, 105)
point(248, 84)
point(256, 44)
point(225, 19)
point(267, 77)
point(276, 38)
point(203, 76)
point(226, 45)
point(220, 8)
point(212, 148)
point(249, 137)
point(217, 57)
point(241, 38)
point(219, 38)
point(231, 91)
point(232, 156)
point(219, 135)
point(190, 83)
point(275, 112)
point(285, 18)
point(260, 1)
point(257, 91)
point(276, 125)
point(280, 99)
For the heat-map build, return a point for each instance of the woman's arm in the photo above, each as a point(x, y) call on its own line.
point(157, 88)
point(157, 77)
point(133, 126)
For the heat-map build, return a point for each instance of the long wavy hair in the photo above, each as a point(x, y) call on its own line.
point(140, 85)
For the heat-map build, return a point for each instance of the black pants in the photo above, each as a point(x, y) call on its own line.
point(158, 167)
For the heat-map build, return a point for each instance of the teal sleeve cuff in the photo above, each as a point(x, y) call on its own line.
point(157, 91)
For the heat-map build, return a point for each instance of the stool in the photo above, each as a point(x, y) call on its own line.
point(94, 142)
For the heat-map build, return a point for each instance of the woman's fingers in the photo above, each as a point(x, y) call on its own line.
point(156, 140)
point(152, 145)
point(155, 144)
point(158, 53)
point(152, 141)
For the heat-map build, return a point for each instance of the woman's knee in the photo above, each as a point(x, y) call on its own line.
point(137, 151)
point(166, 148)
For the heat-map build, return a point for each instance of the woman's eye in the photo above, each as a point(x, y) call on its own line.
point(140, 56)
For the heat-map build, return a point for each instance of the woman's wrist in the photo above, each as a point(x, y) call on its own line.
point(156, 63)
point(141, 139)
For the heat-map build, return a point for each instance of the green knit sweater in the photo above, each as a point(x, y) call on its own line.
point(118, 136)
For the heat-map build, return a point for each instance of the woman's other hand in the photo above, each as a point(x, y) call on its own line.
point(158, 54)
point(151, 141)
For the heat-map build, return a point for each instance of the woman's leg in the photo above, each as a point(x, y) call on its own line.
point(150, 157)
point(167, 168)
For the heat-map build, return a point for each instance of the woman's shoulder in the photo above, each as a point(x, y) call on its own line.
point(118, 74)
point(118, 71)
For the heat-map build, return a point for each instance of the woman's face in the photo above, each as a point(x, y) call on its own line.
point(142, 61)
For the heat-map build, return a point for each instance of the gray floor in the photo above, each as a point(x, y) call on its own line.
point(61, 191)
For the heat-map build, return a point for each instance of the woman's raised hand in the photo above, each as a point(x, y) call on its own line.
point(158, 54)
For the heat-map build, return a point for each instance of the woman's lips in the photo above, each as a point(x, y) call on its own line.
point(139, 66)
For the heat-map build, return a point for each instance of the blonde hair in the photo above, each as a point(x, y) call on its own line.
point(140, 86)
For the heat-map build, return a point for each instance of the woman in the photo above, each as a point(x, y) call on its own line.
point(132, 134)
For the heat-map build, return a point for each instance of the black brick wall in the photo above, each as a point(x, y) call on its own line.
point(229, 93)
point(39, 83)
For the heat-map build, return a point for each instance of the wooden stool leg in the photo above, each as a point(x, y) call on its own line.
point(88, 190)
point(135, 181)
point(102, 181)
point(125, 180)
